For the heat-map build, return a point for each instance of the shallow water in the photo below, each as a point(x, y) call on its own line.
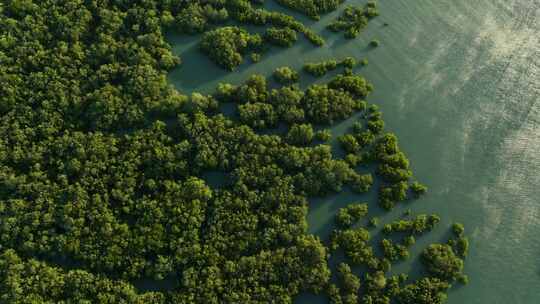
point(459, 83)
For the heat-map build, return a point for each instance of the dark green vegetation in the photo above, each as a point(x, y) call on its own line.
point(354, 19)
point(312, 8)
point(102, 179)
point(374, 43)
point(319, 69)
point(349, 215)
point(419, 225)
point(367, 144)
point(286, 75)
point(281, 37)
point(226, 45)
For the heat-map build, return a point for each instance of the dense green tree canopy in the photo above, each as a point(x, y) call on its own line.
point(103, 164)
point(286, 75)
point(226, 45)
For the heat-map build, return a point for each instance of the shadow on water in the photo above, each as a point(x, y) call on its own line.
point(322, 211)
point(151, 285)
point(309, 297)
point(66, 263)
point(229, 110)
point(195, 69)
point(215, 179)
point(338, 40)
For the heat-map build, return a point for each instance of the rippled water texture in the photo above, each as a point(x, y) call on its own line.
point(459, 82)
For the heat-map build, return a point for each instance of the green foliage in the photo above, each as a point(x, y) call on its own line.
point(200, 103)
point(419, 225)
point(226, 45)
point(353, 159)
point(323, 135)
point(196, 18)
point(409, 241)
point(374, 222)
point(258, 115)
point(394, 252)
point(285, 37)
point(348, 62)
point(314, 38)
point(300, 135)
point(262, 108)
point(349, 143)
point(355, 85)
point(441, 262)
point(458, 229)
point(460, 243)
point(288, 103)
point(91, 175)
point(312, 8)
point(319, 69)
point(354, 19)
point(333, 293)
point(349, 215)
point(325, 105)
point(350, 283)
point(286, 75)
point(56, 285)
point(361, 183)
point(368, 144)
point(418, 189)
point(376, 282)
point(255, 57)
point(462, 246)
point(424, 291)
point(255, 89)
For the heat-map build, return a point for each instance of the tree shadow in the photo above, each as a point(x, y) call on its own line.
point(196, 68)
point(311, 298)
point(63, 261)
point(169, 283)
point(215, 179)
point(322, 210)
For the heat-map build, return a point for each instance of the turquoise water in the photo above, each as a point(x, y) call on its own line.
point(459, 83)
